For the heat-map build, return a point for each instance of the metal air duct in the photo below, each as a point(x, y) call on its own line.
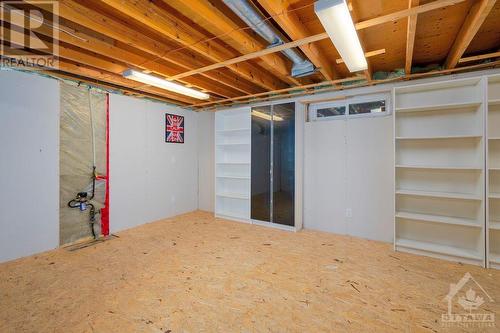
point(247, 12)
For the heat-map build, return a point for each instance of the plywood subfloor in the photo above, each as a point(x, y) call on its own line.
point(194, 273)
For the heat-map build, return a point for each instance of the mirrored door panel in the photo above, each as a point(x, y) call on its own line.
point(261, 164)
point(283, 170)
point(273, 164)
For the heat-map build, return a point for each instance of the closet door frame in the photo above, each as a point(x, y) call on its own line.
point(299, 110)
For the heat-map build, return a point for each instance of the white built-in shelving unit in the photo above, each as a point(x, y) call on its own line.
point(440, 170)
point(232, 158)
point(493, 171)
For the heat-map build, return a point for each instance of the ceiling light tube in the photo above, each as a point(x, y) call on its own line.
point(164, 84)
point(335, 17)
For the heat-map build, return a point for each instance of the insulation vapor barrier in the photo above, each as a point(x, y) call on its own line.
point(82, 126)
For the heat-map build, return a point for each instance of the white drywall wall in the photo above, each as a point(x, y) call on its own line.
point(149, 178)
point(349, 164)
point(29, 164)
point(206, 161)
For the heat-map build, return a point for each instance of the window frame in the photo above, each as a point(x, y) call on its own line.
point(313, 108)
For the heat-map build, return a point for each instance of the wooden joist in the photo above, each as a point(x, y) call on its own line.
point(321, 36)
point(209, 17)
point(480, 57)
point(477, 14)
point(286, 90)
point(410, 36)
point(167, 24)
point(328, 85)
point(368, 54)
point(92, 44)
point(106, 85)
point(107, 26)
point(291, 24)
point(100, 69)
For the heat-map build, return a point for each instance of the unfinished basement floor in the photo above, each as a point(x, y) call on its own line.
point(194, 273)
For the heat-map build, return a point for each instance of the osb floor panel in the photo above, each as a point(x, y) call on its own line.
point(194, 273)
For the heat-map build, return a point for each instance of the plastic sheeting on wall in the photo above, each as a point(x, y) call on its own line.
point(76, 157)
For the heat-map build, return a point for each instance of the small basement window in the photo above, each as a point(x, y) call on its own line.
point(330, 111)
point(370, 105)
point(367, 107)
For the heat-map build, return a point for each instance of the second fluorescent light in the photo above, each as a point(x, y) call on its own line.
point(335, 17)
point(164, 84)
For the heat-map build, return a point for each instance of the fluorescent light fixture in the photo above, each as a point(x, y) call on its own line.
point(337, 21)
point(266, 116)
point(164, 84)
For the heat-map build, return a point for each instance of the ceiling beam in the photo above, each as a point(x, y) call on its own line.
point(92, 44)
point(281, 91)
point(295, 29)
point(368, 54)
point(480, 57)
point(328, 86)
point(110, 69)
point(209, 17)
point(410, 36)
point(477, 14)
point(167, 24)
point(321, 36)
point(104, 85)
point(107, 26)
point(102, 78)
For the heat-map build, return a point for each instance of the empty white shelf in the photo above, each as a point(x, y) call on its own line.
point(494, 138)
point(494, 102)
point(448, 195)
point(233, 177)
point(444, 137)
point(437, 248)
point(495, 225)
point(495, 258)
point(439, 107)
point(438, 219)
point(402, 166)
point(242, 196)
point(494, 195)
point(231, 214)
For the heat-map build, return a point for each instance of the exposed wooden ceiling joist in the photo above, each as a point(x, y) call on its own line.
point(281, 91)
point(199, 43)
point(216, 22)
point(477, 14)
point(318, 37)
point(292, 26)
point(112, 69)
point(480, 57)
point(325, 87)
point(368, 54)
point(107, 26)
point(79, 70)
point(410, 36)
point(104, 85)
point(92, 44)
point(152, 16)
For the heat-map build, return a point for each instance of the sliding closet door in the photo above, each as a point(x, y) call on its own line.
point(261, 164)
point(283, 169)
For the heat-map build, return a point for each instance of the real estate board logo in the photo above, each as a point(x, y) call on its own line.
point(465, 300)
point(29, 34)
